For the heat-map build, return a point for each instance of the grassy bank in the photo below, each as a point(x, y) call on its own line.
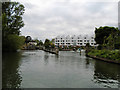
point(108, 54)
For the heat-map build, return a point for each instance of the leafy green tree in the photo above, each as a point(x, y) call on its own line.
point(28, 39)
point(47, 43)
point(14, 42)
point(40, 43)
point(37, 41)
point(113, 41)
point(11, 24)
point(102, 33)
point(12, 18)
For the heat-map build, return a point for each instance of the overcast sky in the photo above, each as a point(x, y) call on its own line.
point(50, 18)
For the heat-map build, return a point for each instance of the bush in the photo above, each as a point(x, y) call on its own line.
point(13, 43)
point(113, 55)
point(99, 47)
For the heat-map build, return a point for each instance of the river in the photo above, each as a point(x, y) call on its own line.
point(39, 69)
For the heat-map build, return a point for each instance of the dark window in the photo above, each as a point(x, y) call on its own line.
point(84, 37)
point(84, 40)
point(80, 40)
point(87, 40)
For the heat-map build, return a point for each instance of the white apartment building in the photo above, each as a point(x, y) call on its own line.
point(80, 40)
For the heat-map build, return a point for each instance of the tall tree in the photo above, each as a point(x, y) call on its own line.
point(47, 43)
point(12, 18)
point(11, 24)
point(102, 33)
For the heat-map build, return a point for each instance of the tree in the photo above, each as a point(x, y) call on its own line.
point(11, 24)
point(14, 42)
point(102, 33)
point(12, 18)
point(113, 41)
point(28, 39)
point(47, 43)
point(40, 43)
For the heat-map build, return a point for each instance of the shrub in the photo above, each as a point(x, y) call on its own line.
point(13, 43)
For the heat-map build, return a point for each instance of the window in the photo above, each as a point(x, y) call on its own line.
point(80, 43)
point(87, 40)
point(80, 40)
point(92, 37)
point(72, 40)
point(91, 40)
point(58, 40)
point(63, 40)
point(91, 43)
point(84, 40)
point(66, 40)
point(84, 37)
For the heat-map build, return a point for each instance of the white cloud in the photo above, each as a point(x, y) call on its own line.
point(49, 18)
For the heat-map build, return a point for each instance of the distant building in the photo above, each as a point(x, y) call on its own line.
point(80, 40)
point(33, 43)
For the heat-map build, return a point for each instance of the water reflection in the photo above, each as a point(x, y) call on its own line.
point(68, 69)
point(107, 74)
point(10, 71)
point(46, 57)
point(87, 62)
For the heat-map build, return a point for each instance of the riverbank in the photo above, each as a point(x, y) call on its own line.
point(112, 56)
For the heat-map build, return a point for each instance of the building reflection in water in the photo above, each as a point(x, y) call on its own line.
point(11, 76)
point(107, 74)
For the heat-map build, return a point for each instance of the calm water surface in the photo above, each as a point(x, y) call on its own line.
point(39, 69)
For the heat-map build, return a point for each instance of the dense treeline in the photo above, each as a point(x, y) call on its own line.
point(108, 39)
point(11, 24)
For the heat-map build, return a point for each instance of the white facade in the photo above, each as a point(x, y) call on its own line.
point(80, 40)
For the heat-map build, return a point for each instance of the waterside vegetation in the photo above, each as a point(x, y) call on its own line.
point(108, 39)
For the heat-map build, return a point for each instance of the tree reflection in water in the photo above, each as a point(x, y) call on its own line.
point(11, 76)
point(107, 74)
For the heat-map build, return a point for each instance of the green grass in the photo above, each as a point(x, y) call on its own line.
point(109, 54)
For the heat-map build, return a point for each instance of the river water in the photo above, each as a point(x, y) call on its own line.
point(39, 69)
